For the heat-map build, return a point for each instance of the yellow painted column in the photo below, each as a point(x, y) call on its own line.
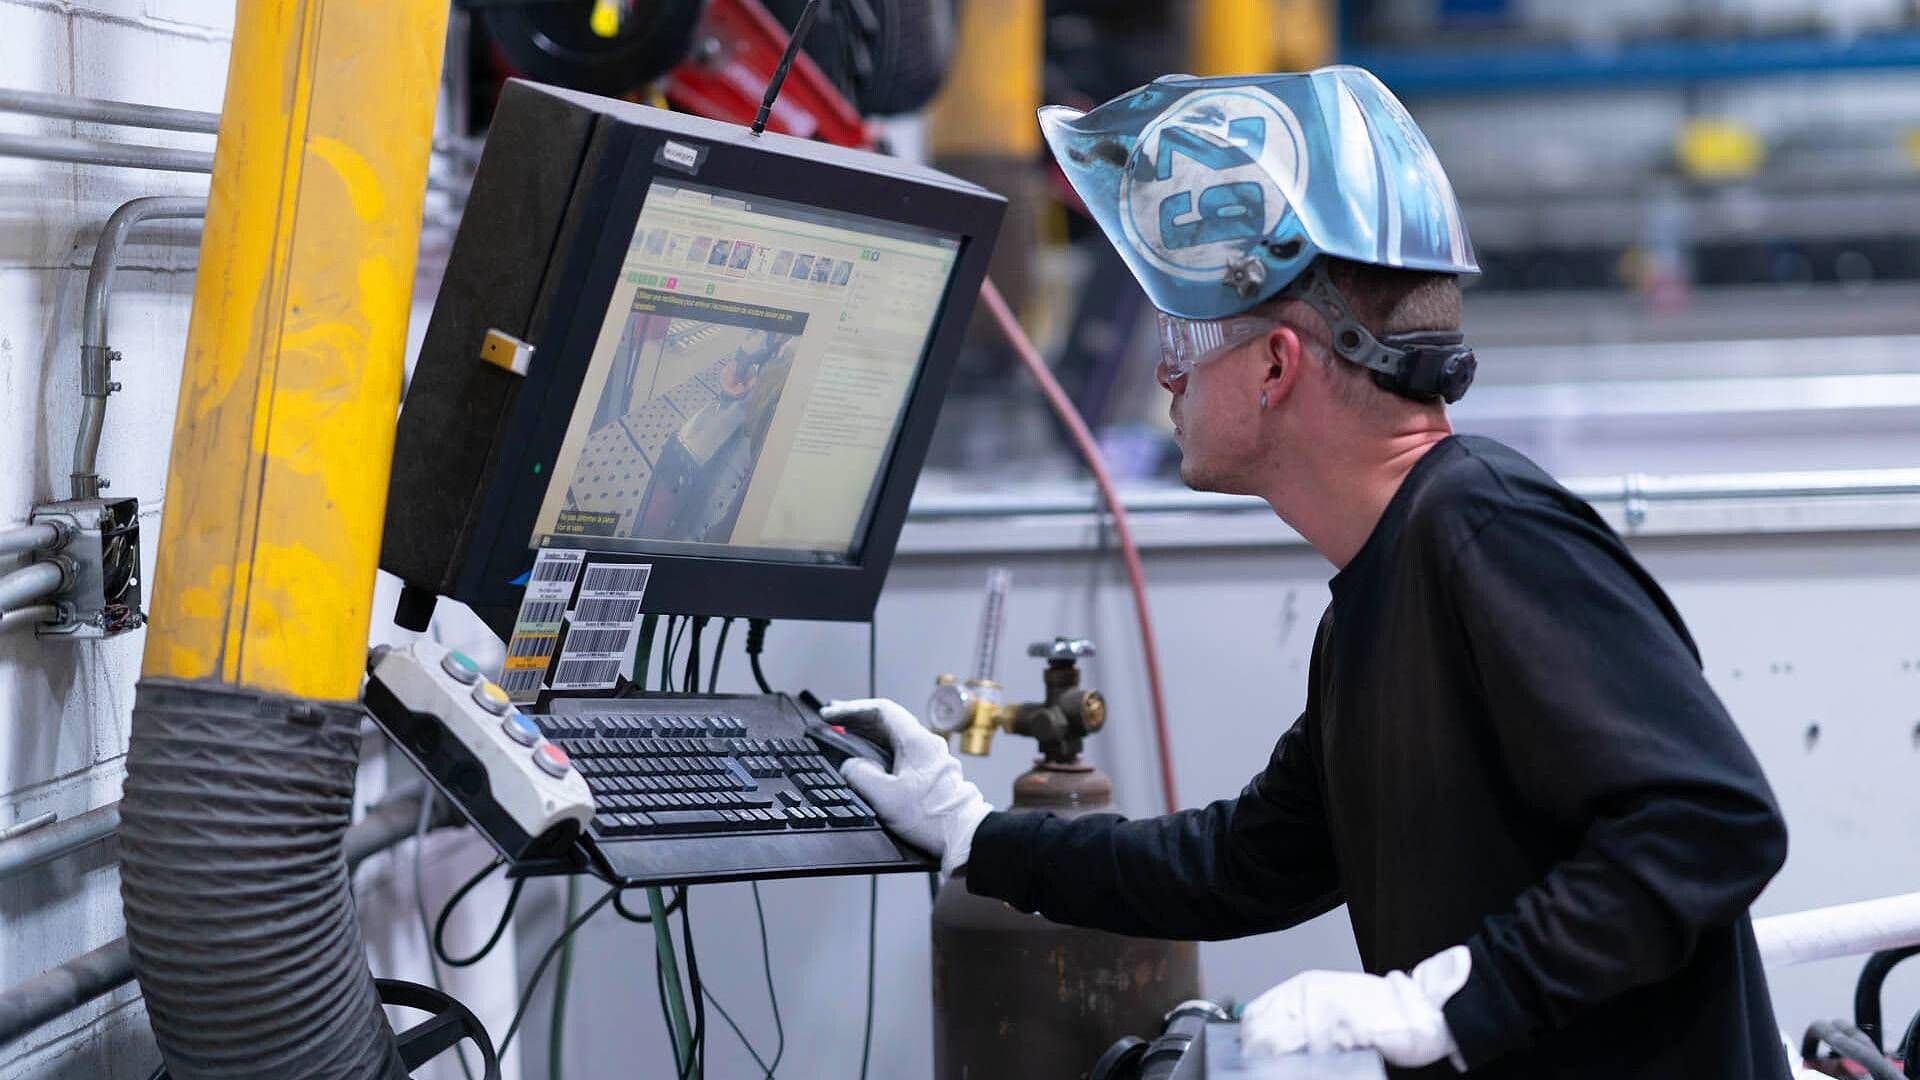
point(276, 489)
point(986, 107)
point(1238, 37)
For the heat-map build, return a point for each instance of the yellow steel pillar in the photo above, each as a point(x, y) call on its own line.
point(245, 740)
point(983, 128)
point(276, 489)
point(1237, 37)
point(986, 107)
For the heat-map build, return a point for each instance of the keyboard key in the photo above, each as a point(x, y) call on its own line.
point(686, 821)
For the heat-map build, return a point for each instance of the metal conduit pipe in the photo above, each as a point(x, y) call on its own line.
point(33, 583)
point(29, 616)
point(124, 155)
point(59, 991)
point(19, 539)
point(50, 842)
point(96, 357)
point(1853, 483)
point(101, 111)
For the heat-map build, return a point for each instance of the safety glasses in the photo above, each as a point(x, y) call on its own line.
point(1186, 343)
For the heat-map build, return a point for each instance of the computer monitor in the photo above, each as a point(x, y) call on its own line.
point(739, 347)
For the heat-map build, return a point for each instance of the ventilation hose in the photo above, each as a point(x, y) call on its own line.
point(239, 910)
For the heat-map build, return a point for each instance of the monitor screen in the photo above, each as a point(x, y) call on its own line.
point(748, 381)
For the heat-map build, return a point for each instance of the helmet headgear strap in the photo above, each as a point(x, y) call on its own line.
point(1420, 366)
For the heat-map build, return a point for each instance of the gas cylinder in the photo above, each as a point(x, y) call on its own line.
point(1017, 996)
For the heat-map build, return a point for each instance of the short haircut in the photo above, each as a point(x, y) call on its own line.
point(1387, 301)
point(1393, 301)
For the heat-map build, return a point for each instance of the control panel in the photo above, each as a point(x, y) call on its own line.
point(491, 760)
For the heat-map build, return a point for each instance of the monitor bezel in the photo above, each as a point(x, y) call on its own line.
point(683, 584)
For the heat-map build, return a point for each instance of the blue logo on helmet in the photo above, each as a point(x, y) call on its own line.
point(1214, 172)
point(1203, 185)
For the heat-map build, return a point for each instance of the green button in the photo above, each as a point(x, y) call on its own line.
point(461, 667)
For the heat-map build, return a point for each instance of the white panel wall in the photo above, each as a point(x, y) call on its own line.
point(64, 708)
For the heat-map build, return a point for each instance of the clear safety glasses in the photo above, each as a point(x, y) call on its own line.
point(1186, 343)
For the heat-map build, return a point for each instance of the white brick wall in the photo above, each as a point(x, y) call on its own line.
point(64, 709)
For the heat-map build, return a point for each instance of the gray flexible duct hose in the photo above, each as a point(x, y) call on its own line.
point(54, 993)
point(239, 915)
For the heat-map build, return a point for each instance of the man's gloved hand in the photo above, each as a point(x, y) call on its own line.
point(924, 799)
point(1328, 1011)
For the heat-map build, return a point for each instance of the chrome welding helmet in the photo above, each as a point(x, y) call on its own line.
point(1221, 193)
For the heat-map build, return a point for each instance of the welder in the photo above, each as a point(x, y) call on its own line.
point(1510, 767)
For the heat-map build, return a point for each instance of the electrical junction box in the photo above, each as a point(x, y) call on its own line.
point(102, 598)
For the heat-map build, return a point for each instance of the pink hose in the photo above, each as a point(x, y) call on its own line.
point(1083, 440)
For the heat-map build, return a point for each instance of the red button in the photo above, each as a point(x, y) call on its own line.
point(553, 759)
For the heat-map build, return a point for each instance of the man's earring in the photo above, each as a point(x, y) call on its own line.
point(1263, 400)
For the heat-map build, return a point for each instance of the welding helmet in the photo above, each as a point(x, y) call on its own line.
point(1221, 193)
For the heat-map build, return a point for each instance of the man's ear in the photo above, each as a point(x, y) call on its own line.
point(1286, 360)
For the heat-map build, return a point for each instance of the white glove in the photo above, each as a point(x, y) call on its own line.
point(1329, 1011)
point(924, 798)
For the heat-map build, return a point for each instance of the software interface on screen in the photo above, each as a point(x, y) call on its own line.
point(747, 385)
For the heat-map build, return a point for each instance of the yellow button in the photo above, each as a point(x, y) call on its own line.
point(490, 697)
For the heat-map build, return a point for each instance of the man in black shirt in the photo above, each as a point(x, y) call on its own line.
point(1510, 767)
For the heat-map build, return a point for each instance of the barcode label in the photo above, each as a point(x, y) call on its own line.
point(621, 580)
point(542, 612)
point(525, 645)
point(606, 611)
point(561, 568)
point(520, 682)
point(585, 674)
point(582, 640)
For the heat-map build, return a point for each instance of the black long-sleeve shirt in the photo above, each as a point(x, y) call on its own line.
point(1507, 742)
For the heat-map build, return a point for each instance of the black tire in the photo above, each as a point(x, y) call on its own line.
point(887, 56)
point(552, 43)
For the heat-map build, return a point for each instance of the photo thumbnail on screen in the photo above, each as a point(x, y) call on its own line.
point(682, 419)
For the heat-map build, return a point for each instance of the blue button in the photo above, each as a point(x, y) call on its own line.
point(520, 729)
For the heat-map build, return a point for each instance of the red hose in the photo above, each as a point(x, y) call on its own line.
point(1122, 527)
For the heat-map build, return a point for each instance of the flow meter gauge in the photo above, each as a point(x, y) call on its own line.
point(948, 707)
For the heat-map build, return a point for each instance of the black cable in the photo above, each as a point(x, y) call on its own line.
point(557, 1019)
point(666, 1018)
point(446, 912)
point(773, 999)
point(690, 682)
point(873, 881)
point(620, 907)
point(873, 926)
point(694, 656)
point(719, 651)
point(756, 641)
point(698, 1051)
point(765, 1069)
point(667, 649)
point(420, 909)
point(1910, 1048)
point(526, 995)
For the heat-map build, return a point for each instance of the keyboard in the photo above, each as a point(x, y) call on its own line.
point(702, 788)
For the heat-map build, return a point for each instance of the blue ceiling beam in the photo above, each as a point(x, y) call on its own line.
point(1433, 72)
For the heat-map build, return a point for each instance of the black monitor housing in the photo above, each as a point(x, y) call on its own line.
point(540, 251)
